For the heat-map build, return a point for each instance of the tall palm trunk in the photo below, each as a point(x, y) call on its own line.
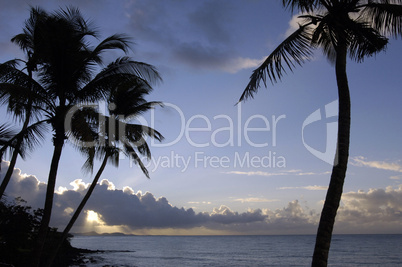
point(14, 157)
point(334, 193)
point(51, 183)
point(77, 212)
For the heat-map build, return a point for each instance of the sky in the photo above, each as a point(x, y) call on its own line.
point(259, 167)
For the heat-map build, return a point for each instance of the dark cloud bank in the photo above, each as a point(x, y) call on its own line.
point(376, 211)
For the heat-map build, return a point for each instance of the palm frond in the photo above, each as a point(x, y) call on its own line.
point(122, 72)
point(128, 98)
point(386, 17)
point(83, 126)
point(100, 152)
point(293, 51)
point(73, 16)
point(324, 37)
point(138, 130)
point(302, 5)
point(13, 63)
point(364, 41)
point(137, 160)
point(26, 40)
point(141, 108)
point(116, 41)
point(129, 66)
point(113, 154)
point(23, 86)
point(20, 102)
point(6, 133)
point(33, 136)
point(103, 85)
point(88, 165)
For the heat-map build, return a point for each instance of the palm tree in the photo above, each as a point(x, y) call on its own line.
point(341, 28)
point(126, 101)
point(23, 96)
point(66, 70)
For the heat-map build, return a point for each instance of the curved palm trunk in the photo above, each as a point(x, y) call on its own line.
point(77, 212)
point(14, 157)
point(334, 193)
point(51, 183)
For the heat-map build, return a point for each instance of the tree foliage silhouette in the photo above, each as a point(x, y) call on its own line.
point(66, 67)
point(22, 94)
point(119, 136)
point(23, 97)
point(341, 28)
point(17, 231)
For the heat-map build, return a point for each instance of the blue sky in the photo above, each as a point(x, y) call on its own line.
point(247, 164)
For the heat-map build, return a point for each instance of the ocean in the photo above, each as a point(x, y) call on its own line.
point(188, 251)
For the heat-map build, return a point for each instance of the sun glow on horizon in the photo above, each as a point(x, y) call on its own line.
point(93, 217)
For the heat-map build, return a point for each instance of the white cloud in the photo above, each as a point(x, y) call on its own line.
point(293, 25)
point(240, 63)
point(378, 210)
point(200, 202)
point(289, 172)
point(255, 200)
point(78, 185)
point(255, 173)
point(309, 187)
point(128, 190)
point(382, 165)
point(110, 185)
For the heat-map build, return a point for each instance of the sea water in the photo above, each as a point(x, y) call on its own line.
point(296, 250)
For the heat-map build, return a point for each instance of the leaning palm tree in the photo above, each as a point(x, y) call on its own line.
point(23, 96)
point(119, 137)
point(341, 28)
point(66, 66)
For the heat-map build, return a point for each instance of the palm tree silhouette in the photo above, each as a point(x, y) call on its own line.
point(24, 97)
point(126, 101)
point(341, 28)
point(21, 91)
point(66, 67)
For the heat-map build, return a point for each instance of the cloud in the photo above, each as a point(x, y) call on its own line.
point(208, 57)
point(200, 35)
point(24, 185)
point(201, 39)
point(309, 187)
point(289, 172)
point(236, 64)
point(133, 210)
point(257, 173)
point(255, 200)
point(210, 20)
point(377, 211)
point(382, 165)
point(200, 202)
point(293, 25)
